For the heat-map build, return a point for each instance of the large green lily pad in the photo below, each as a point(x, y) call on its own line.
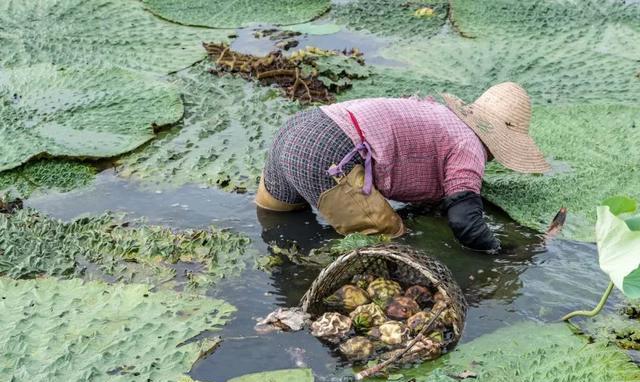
point(391, 18)
point(530, 352)
point(32, 244)
point(46, 174)
point(97, 32)
point(590, 163)
point(75, 331)
point(583, 115)
point(536, 17)
point(46, 110)
point(224, 138)
point(237, 13)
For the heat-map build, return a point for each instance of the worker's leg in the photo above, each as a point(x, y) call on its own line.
point(274, 192)
point(314, 144)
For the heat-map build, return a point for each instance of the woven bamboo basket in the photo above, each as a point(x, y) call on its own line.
point(401, 263)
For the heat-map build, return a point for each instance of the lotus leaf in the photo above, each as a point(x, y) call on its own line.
point(619, 249)
point(71, 330)
point(620, 204)
point(224, 138)
point(506, 17)
point(237, 13)
point(290, 375)
point(61, 175)
point(392, 18)
point(97, 32)
point(56, 111)
point(581, 113)
point(32, 244)
point(530, 352)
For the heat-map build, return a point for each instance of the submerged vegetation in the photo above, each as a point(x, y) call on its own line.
point(34, 245)
point(78, 331)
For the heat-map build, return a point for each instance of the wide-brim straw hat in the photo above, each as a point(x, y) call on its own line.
point(500, 118)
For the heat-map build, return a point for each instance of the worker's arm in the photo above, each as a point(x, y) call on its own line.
point(463, 172)
point(466, 219)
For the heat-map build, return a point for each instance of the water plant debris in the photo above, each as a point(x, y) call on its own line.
point(309, 76)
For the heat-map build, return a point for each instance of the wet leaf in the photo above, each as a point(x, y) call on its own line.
point(224, 138)
point(620, 204)
point(392, 18)
point(237, 13)
point(97, 32)
point(32, 244)
point(75, 331)
point(47, 174)
point(618, 250)
point(72, 112)
point(528, 351)
point(290, 375)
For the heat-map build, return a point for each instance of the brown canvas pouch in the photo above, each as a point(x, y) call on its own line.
point(348, 210)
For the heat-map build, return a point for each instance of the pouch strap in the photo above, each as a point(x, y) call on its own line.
point(364, 150)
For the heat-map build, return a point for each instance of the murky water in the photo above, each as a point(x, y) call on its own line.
point(532, 280)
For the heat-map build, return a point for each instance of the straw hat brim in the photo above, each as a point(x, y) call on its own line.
point(514, 150)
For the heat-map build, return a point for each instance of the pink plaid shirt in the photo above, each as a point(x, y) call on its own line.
point(421, 150)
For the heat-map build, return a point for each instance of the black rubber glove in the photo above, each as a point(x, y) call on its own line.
point(466, 219)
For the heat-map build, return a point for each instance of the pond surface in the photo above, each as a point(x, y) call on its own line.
point(532, 280)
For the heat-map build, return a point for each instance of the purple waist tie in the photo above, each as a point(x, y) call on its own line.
point(364, 150)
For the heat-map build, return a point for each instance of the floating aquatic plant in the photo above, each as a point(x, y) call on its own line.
point(46, 174)
point(237, 13)
point(528, 351)
point(223, 139)
point(393, 18)
point(581, 113)
point(99, 33)
point(310, 75)
point(70, 330)
point(33, 245)
point(48, 110)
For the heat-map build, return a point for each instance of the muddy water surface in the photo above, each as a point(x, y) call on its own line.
point(530, 281)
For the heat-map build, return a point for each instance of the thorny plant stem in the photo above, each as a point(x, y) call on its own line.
point(596, 310)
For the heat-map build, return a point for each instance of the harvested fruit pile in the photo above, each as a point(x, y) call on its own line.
point(375, 316)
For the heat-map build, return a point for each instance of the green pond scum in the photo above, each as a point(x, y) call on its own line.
point(33, 245)
point(70, 330)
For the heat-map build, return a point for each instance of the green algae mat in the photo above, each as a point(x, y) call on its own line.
point(98, 32)
point(33, 245)
point(223, 140)
point(529, 352)
point(237, 13)
point(54, 111)
point(90, 331)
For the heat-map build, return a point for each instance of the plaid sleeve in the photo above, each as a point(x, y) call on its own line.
point(464, 168)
